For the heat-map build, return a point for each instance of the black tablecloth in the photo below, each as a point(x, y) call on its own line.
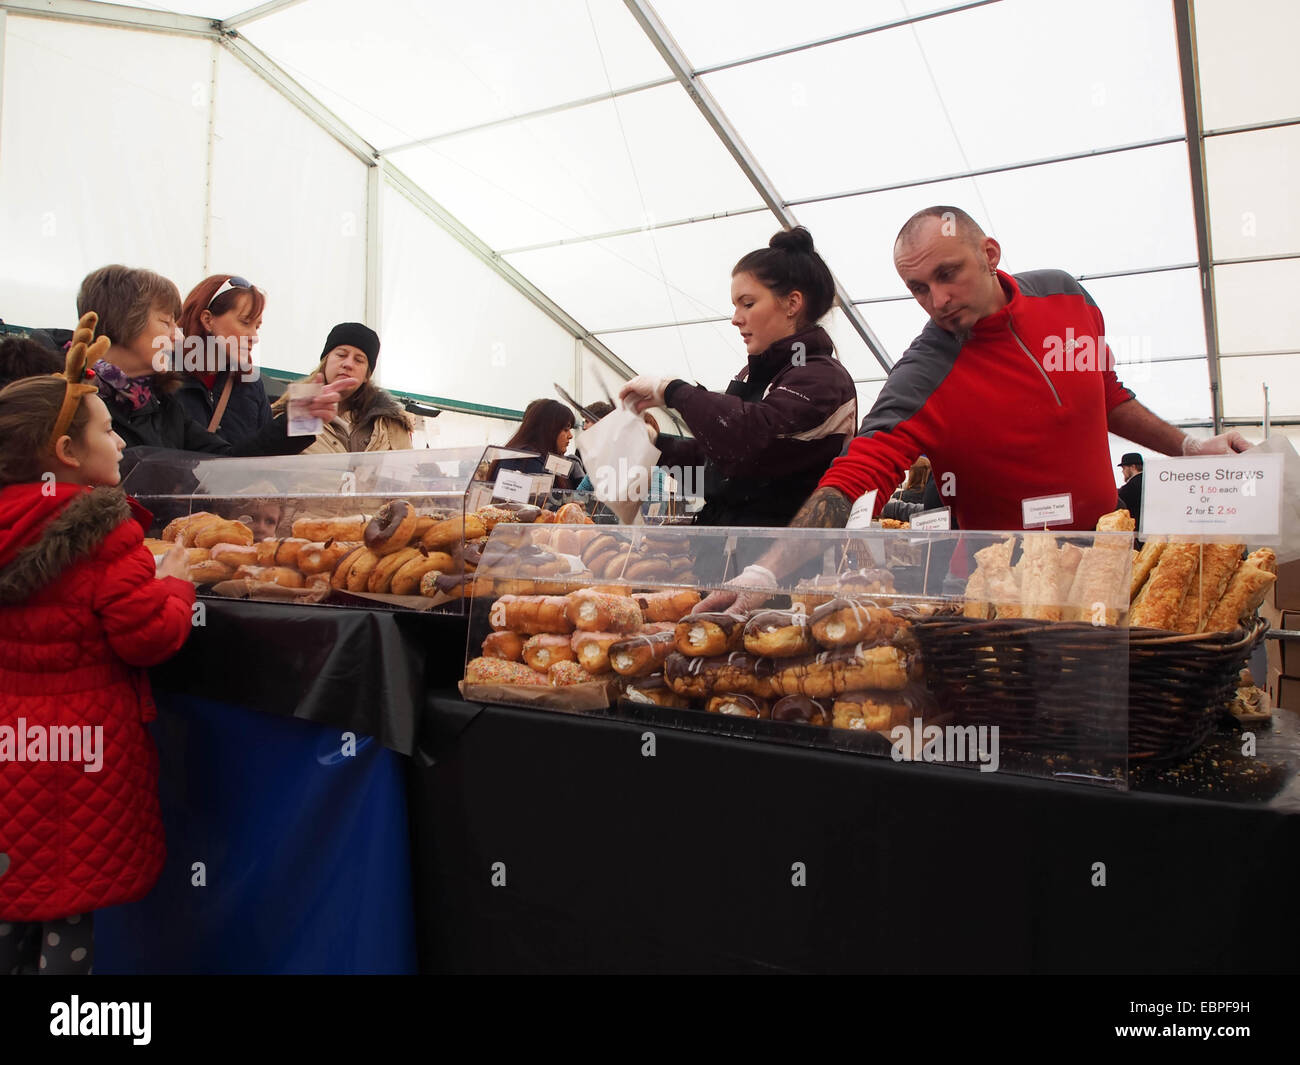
point(613, 861)
point(361, 669)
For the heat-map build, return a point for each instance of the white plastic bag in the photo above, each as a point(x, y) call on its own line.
point(620, 461)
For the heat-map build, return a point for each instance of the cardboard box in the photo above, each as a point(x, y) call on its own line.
point(1284, 691)
point(1289, 650)
point(1286, 592)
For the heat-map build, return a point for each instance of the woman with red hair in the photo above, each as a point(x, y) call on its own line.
point(221, 388)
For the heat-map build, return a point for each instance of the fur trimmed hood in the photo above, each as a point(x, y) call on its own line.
point(42, 536)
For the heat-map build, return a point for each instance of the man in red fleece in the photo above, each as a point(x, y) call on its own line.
point(1010, 390)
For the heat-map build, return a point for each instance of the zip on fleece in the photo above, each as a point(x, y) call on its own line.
point(1011, 328)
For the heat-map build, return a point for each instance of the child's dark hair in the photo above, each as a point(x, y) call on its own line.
point(790, 263)
point(23, 357)
point(28, 411)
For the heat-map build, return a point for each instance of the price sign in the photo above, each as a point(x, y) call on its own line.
point(1047, 510)
point(860, 515)
point(559, 465)
point(1231, 495)
point(513, 486)
point(930, 520)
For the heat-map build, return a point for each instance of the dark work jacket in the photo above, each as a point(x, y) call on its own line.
point(1130, 497)
point(164, 422)
point(767, 440)
point(247, 413)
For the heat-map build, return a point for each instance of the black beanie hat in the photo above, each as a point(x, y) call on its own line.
point(358, 336)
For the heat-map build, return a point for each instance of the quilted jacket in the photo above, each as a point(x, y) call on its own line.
point(81, 614)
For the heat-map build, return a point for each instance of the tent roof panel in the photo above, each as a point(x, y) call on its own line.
point(606, 166)
point(409, 70)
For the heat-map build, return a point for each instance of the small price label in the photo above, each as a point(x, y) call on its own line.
point(559, 465)
point(513, 486)
point(930, 520)
point(1238, 495)
point(860, 515)
point(1047, 510)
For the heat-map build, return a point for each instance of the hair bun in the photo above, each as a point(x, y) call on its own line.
point(797, 239)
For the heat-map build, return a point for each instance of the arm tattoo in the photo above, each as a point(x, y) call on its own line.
point(826, 508)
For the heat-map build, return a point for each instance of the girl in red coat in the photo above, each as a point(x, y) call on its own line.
point(82, 612)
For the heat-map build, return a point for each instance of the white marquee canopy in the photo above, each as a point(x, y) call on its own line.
point(521, 192)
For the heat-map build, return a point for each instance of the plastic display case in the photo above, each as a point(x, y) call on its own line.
point(994, 652)
point(299, 527)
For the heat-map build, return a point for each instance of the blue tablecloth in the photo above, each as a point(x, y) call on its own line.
point(304, 852)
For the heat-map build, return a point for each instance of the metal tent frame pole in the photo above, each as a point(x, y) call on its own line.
point(121, 17)
point(1185, 25)
point(672, 54)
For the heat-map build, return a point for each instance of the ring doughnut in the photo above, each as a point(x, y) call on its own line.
point(392, 528)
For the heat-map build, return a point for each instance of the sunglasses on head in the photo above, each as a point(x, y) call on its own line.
point(228, 285)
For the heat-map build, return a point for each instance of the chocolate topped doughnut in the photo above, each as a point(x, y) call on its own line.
point(392, 528)
point(801, 709)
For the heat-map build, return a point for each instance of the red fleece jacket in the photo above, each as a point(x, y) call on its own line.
point(1015, 412)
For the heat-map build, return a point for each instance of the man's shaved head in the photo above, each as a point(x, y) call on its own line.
point(953, 222)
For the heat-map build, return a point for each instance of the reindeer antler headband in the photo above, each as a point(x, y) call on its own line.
point(81, 352)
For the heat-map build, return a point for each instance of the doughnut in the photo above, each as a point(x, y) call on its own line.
point(654, 689)
point(235, 554)
point(406, 580)
point(381, 578)
point(737, 704)
point(531, 614)
point(820, 676)
point(667, 606)
point(545, 649)
point(177, 525)
point(451, 532)
point(362, 567)
point(608, 565)
point(351, 527)
point(599, 612)
point(709, 635)
point(844, 622)
point(507, 645)
point(280, 552)
point(599, 545)
point(281, 575)
point(546, 517)
point(801, 709)
point(500, 671)
point(318, 557)
point(210, 571)
point(702, 677)
point(423, 523)
point(571, 514)
point(499, 514)
point(339, 577)
point(392, 528)
point(642, 654)
point(524, 513)
point(779, 634)
point(592, 649)
point(649, 568)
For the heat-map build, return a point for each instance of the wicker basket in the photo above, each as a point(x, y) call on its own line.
point(1066, 687)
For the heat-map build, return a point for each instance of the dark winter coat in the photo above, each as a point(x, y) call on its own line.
point(766, 442)
point(247, 413)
